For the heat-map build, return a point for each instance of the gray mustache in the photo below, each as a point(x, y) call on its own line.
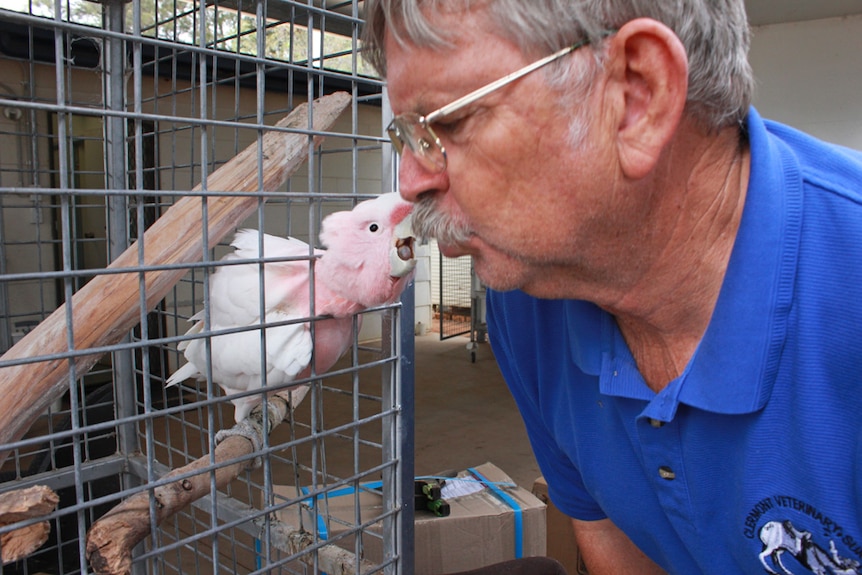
point(431, 223)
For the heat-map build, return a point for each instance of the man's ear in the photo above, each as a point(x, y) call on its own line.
point(648, 78)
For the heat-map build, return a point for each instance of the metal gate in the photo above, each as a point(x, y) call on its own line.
point(124, 118)
point(455, 298)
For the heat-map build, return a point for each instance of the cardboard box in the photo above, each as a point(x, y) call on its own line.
point(561, 536)
point(483, 528)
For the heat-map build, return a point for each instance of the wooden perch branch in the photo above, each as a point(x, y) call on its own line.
point(112, 538)
point(20, 505)
point(331, 559)
point(105, 309)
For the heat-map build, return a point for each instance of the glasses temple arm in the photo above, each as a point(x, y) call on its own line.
point(485, 90)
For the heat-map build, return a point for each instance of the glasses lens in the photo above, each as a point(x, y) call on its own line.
point(394, 131)
point(429, 149)
point(408, 130)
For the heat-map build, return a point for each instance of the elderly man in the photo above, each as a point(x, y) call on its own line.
point(676, 296)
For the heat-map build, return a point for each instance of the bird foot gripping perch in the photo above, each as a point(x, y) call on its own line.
point(111, 539)
point(278, 405)
point(249, 429)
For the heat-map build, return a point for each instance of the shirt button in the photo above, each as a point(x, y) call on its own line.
point(656, 423)
point(666, 472)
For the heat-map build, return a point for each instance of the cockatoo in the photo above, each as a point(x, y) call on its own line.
point(368, 262)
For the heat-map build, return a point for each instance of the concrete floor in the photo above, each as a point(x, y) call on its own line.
point(465, 414)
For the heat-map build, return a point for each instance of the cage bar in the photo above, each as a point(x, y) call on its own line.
point(113, 114)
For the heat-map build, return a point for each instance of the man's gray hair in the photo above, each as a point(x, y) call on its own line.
point(715, 34)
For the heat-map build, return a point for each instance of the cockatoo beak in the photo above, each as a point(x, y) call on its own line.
point(402, 259)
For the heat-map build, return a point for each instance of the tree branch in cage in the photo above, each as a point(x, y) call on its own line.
point(20, 505)
point(112, 538)
point(108, 306)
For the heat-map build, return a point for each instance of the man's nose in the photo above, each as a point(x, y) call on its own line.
point(415, 179)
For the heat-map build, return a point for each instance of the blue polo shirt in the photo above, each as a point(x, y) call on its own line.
point(751, 460)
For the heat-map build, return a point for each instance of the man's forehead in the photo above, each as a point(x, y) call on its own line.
point(415, 76)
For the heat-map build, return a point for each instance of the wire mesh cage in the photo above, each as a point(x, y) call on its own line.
point(452, 287)
point(135, 138)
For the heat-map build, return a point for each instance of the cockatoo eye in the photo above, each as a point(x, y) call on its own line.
point(373, 227)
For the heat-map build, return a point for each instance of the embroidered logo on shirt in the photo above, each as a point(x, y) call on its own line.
point(790, 549)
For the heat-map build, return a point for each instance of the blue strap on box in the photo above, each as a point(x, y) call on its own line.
point(492, 486)
point(321, 523)
point(508, 500)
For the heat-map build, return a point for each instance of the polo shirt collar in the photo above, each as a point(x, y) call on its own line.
point(735, 365)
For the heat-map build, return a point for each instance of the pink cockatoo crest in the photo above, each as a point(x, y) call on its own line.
point(368, 262)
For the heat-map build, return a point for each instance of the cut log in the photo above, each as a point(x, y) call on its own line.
point(108, 306)
point(21, 505)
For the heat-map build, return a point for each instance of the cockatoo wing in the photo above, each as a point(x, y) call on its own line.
point(235, 289)
point(236, 358)
point(234, 302)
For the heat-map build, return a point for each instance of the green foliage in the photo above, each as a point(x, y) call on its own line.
point(234, 30)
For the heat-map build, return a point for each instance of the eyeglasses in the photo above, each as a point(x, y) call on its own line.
point(414, 132)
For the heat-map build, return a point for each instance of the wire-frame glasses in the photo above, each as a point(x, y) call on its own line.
point(414, 131)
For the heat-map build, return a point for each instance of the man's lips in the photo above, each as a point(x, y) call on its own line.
point(453, 250)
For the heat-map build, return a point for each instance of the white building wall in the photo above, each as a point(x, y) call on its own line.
point(810, 77)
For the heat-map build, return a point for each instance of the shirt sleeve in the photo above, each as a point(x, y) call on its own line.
point(512, 319)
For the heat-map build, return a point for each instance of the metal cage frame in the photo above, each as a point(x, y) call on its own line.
point(111, 117)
